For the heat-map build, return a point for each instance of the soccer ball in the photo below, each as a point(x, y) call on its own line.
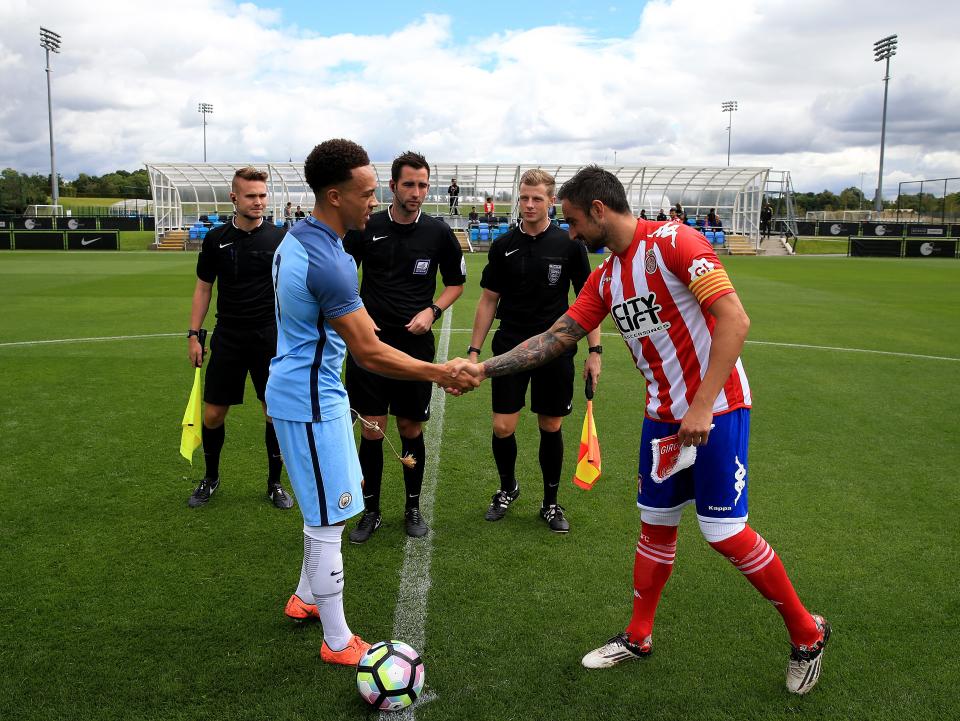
point(390, 675)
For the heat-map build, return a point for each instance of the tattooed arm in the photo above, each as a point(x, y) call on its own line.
point(562, 335)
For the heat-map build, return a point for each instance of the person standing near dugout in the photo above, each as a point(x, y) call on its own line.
point(526, 284)
point(678, 313)
point(237, 256)
point(400, 252)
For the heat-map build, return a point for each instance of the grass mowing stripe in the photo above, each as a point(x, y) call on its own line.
point(96, 339)
point(410, 618)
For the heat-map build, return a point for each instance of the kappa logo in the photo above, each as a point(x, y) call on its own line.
point(345, 499)
point(700, 266)
point(741, 478)
point(667, 230)
point(639, 317)
point(91, 241)
point(379, 237)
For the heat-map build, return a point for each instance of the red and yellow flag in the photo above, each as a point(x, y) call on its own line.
point(588, 460)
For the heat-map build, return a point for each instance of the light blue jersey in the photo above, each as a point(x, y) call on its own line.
point(314, 280)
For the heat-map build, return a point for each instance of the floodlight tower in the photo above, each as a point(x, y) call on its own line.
point(50, 41)
point(729, 106)
point(205, 108)
point(883, 50)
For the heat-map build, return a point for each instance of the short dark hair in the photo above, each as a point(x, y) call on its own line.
point(332, 162)
point(411, 159)
point(247, 173)
point(594, 183)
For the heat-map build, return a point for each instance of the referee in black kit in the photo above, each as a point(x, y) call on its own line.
point(238, 257)
point(399, 253)
point(526, 284)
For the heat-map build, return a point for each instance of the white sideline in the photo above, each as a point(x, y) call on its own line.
point(410, 619)
point(447, 330)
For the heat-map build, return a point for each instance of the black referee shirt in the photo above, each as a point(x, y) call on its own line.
point(240, 263)
point(400, 264)
point(533, 275)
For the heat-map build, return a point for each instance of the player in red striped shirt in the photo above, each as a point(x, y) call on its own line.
point(679, 315)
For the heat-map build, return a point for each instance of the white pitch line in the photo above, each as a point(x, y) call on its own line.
point(88, 340)
point(410, 619)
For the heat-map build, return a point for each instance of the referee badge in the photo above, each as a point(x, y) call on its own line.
point(553, 273)
point(421, 267)
point(345, 499)
point(650, 262)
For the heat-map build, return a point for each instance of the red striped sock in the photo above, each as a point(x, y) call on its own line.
point(652, 566)
point(756, 560)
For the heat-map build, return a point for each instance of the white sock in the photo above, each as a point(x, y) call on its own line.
point(303, 588)
point(323, 563)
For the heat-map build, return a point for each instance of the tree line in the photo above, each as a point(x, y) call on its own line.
point(18, 190)
point(852, 199)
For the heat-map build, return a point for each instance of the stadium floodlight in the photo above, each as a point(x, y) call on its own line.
point(883, 49)
point(204, 108)
point(729, 106)
point(50, 41)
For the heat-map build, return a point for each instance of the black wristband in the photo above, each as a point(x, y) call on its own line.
point(437, 312)
point(471, 349)
point(598, 349)
point(191, 333)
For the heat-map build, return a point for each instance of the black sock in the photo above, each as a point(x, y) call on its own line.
point(551, 463)
point(371, 465)
point(212, 445)
point(274, 459)
point(505, 456)
point(413, 477)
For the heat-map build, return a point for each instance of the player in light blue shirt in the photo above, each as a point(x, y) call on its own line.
point(319, 316)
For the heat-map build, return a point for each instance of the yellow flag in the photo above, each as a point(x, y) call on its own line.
point(588, 460)
point(192, 420)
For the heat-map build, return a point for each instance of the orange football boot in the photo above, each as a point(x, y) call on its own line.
point(349, 656)
point(300, 611)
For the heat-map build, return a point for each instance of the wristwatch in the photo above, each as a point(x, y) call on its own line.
point(191, 333)
point(471, 349)
point(437, 312)
point(598, 349)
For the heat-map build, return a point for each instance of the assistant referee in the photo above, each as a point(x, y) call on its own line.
point(237, 256)
point(399, 253)
point(526, 284)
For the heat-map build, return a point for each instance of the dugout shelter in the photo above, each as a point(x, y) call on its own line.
point(186, 193)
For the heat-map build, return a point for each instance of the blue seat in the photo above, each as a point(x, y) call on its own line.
point(474, 234)
point(504, 227)
point(710, 235)
point(213, 217)
point(720, 237)
point(564, 226)
point(484, 232)
point(202, 232)
point(495, 232)
point(194, 233)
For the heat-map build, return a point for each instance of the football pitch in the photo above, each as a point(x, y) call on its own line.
point(119, 602)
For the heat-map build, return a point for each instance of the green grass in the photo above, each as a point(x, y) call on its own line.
point(136, 239)
point(820, 246)
point(70, 203)
point(120, 603)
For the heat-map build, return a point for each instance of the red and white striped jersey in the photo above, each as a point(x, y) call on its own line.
point(658, 293)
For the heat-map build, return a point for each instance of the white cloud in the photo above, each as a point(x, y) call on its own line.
point(128, 81)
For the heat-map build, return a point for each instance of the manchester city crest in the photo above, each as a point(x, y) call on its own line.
point(553, 273)
point(345, 499)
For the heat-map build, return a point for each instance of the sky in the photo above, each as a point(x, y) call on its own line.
point(515, 82)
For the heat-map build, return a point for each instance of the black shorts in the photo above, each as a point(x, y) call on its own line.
point(551, 385)
point(376, 395)
point(234, 352)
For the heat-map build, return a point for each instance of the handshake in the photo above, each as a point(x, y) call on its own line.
point(459, 376)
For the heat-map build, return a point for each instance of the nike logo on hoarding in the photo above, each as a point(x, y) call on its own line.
point(379, 237)
point(224, 245)
point(92, 240)
point(511, 252)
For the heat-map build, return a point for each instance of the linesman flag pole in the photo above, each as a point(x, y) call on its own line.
point(588, 459)
point(192, 422)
